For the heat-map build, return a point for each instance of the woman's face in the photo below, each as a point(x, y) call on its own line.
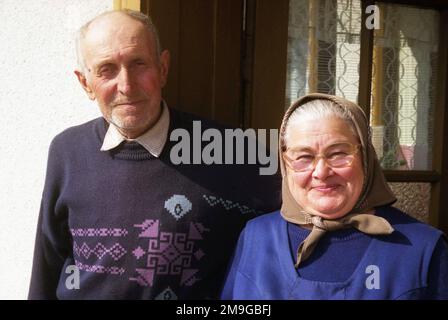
point(324, 191)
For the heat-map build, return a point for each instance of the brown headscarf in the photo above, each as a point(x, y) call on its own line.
point(375, 190)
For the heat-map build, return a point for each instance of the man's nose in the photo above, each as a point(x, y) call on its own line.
point(321, 170)
point(124, 81)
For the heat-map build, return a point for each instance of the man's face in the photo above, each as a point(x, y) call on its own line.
point(124, 73)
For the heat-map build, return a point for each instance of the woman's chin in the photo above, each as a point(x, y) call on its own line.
point(328, 210)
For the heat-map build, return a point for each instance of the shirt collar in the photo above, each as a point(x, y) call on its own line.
point(152, 140)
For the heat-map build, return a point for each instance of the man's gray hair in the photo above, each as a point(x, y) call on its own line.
point(144, 19)
point(315, 110)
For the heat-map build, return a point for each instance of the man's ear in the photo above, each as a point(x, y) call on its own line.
point(85, 85)
point(164, 66)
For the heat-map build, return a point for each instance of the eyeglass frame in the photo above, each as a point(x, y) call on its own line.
point(288, 160)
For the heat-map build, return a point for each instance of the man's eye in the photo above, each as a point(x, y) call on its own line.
point(139, 63)
point(106, 71)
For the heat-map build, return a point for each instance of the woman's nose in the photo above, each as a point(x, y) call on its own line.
point(321, 170)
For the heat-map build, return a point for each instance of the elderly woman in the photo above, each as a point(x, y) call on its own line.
point(336, 235)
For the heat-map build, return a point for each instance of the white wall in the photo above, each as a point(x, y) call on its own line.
point(39, 97)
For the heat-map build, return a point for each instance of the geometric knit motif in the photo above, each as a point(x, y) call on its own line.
point(178, 206)
point(227, 204)
point(166, 294)
point(100, 269)
point(98, 250)
point(158, 253)
point(98, 232)
point(167, 253)
point(116, 251)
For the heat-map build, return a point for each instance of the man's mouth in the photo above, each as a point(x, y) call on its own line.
point(129, 103)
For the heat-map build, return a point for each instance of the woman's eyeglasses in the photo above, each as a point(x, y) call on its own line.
point(340, 155)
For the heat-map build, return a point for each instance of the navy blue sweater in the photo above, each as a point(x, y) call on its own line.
point(136, 226)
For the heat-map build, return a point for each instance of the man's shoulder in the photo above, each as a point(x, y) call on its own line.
point(77, 133)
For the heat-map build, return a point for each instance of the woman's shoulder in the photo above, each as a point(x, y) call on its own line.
point(405, 223)
point(266, 219)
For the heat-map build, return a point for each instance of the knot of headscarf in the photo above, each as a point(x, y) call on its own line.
point(375, 191)
point(364, 222)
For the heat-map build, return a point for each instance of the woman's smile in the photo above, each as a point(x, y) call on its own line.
point(326, 189)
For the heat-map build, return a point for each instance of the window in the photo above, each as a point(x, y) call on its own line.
point(403, 86)
point(323, 48)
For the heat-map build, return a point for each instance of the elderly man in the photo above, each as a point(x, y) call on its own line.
point(118, 219)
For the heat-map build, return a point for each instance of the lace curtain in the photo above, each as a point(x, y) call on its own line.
point(403, 83)
point(323, 48)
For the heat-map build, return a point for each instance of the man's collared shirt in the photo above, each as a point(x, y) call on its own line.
point(152, 140)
